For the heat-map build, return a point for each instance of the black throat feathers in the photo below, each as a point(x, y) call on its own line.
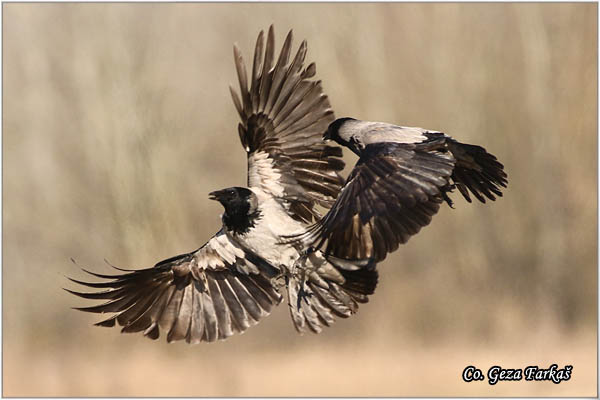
point(239, 219)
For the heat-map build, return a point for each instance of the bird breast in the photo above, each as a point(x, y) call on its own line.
point(265, 237)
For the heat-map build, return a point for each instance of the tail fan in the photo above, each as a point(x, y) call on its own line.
point(325, 291)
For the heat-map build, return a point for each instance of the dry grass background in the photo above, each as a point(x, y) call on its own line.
point(118, 122)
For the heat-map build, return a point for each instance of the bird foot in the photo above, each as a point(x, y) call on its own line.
point(303, 295)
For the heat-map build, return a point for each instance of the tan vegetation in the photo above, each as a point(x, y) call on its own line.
point(118, 122)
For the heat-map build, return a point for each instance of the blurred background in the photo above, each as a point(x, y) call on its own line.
point(118, 122)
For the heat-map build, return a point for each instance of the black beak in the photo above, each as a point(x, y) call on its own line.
point(327, 135)
point(215, 195)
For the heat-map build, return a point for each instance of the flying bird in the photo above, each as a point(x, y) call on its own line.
point(236, 278)
point(402, 176)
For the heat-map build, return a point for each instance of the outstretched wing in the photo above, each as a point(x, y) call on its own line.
point(392, 192)
point(396, 188)
point(283, 117)
point(205, 295)
point(476, 171)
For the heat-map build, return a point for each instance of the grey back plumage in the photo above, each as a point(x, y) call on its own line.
point(224, 287)
point(379, 132)
point(397, 185)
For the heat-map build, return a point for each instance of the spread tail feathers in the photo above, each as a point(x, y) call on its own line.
point(326, 291)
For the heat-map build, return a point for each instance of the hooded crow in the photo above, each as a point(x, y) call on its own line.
point(233, 281)
point(402, 176)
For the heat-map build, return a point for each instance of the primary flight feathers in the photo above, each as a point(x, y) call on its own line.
point(283, 116)
point(402, 176)
point(202, 296)
point(234, 280)
point(272, 234)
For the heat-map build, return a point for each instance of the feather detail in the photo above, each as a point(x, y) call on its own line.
point(198, 296)
point(283, 117)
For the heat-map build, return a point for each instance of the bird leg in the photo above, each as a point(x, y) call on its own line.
point(304, 255)
point(303, 294)
point(300, 271)
point(280, 280)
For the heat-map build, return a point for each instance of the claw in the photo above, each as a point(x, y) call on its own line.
point(278, 282)
point(303, 294)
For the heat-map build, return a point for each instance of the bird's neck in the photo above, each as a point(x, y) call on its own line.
point(240, 221)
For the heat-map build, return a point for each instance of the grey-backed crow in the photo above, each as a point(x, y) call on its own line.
point(233, 280)
point(402, 176)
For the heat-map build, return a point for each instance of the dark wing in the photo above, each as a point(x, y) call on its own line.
point(283, 117)
point(392, 192)
point(476, 171)
point(396, 188)
point(206, 295)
